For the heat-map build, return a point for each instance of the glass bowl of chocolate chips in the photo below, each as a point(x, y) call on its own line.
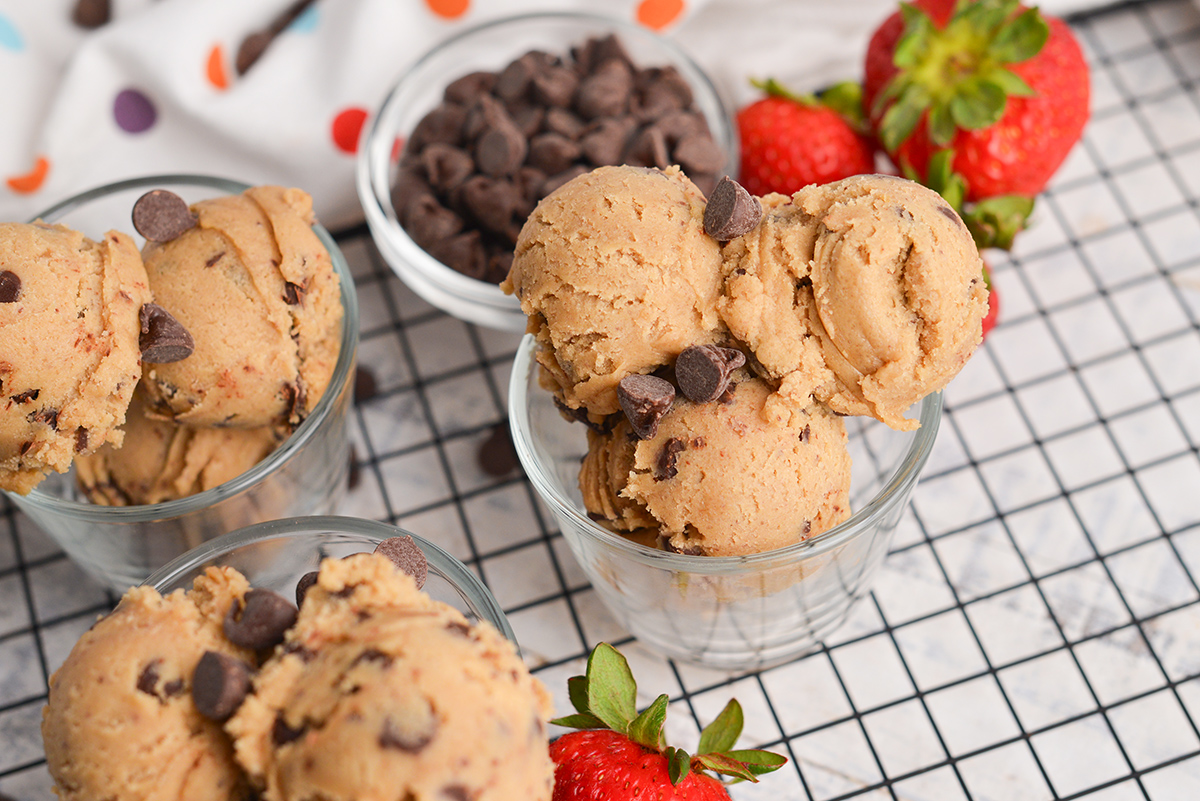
point(493, 119)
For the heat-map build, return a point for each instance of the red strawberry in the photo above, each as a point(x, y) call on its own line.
point(621, 754)
point(790, 141)
point(998, 89)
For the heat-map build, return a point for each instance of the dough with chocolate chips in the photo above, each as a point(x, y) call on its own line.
point(162, 461)
point(255, 287)
point(120, 722)
point(380, 692)
point(730, 477)
point(866, 294)
point(69, 355)
point(617, 276)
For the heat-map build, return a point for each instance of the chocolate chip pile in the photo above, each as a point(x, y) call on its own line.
point(476, 165)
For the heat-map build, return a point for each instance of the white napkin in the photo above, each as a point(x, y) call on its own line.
point(154, 90)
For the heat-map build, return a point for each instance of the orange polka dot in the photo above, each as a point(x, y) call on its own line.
point(347, 125)
point(450, 9)
point(31, 181)
point(215, 68)
point(397, 148)
point(658, 14)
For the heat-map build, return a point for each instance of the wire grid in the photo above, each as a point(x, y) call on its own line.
point(1035, 631)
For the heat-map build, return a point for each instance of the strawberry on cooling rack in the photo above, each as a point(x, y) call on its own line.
point(789, 141)
point(620, 755)
point(982, 99)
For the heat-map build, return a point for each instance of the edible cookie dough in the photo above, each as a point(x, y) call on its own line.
point(69, 353)
point(162, 461)
point(617, 276)
point(722, 436)
point(381, 693)
point(120, 722)
point(866, 293)
point(723, 478)
point(255, 287)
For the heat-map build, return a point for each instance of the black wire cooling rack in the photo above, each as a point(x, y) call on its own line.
point(1035, 632)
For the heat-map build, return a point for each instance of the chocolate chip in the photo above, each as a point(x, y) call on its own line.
point(490, 201)
point(81, 439)
point(408, 738)
point(465, 253)
point(604, 142)
point(256, 43)
point(500, 150)
point(26, 396)
point(219, 685)
point(555, 86)
point(365, 385)
point(703, 371)
point(648, 149)
point(373, 655)
point(605, 92)
point(430, 223)
point(162, 338)
point(497, 456)
point(645, 399)
point(731, 211)
point(664, 465)
point(251, 50)
point(147, 681)
point(563, 121)
point(456, 792)
point(10, 286)
point(446, 166)
point(806, 434)
point(443, 124)
point(355, 473)
point(293, 294)
point(173, 688)
point(304, 585)
point(552, 152)
point(282, 733)
point(699, 153)
point(260, 620)
point(161, 215)
point(407, 556)
point(91, 14)
point(465, 90)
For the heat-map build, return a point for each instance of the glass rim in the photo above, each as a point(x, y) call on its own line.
point(860, 522)
point(441, 561)
point(295, 441)
point(373, 162)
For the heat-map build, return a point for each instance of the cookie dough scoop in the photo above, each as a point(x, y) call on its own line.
point(69, 346)
point(879, 303)
point(380, 692)
point(251, 281)
point(121, 722)
point(617, 276)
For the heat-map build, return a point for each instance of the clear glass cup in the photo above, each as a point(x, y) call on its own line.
point(725, 612)
point(492, 46)
point(274, 555)
point(307, 475)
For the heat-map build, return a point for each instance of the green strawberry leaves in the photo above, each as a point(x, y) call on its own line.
point(993, 222)
point(606, 698)
point(957, 76)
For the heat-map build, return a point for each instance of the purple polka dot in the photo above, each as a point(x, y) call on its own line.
point(133, 111)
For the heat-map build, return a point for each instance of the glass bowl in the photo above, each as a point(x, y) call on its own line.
point(492, 46)
point(274, 555)
point(307, 474)
point(725, 612)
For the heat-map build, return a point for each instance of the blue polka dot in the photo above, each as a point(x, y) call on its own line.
point(306, 22)
point(133, 111)
point(10, 37)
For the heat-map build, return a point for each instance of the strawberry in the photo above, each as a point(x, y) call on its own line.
point(790, 141)
point(620, 753)
point(995, 91)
